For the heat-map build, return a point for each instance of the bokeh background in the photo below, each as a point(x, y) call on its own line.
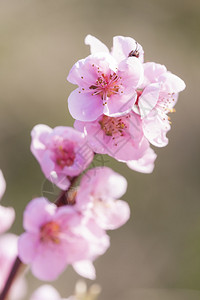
point(156, 255)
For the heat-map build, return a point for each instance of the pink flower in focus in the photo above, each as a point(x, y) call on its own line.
point(62, 152)
point(8, 254)
point(104, 86)
point(123, 47)
point(120, 137)
point(156, 98)
point(56, 237)
point(97, 195)
point(145, 164)
point(7, 214)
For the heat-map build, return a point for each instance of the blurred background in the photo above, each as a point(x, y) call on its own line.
point(156, 255)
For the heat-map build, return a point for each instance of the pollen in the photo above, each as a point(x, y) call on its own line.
point(49, 232)
point(106, 85)
point(113, 127)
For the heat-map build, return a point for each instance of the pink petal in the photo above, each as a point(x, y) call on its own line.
point(122, 46)
point(85, 268)
point(131, 150)
point(155, 128)
point(49, 262)
point(98, 240)
point(152, 72)
point(82, 73)
point(119, 106)
point(27, 245)
point(47, 164)
point(172, 83)
point(95, 45)
point(39, 134)
point(112, 214)
point(60, 180)
point(148, 99)
point(85, 107)
point(145, 164)
point(8, 253)
point(93, 183)
point(7, 217)
point(132, 72)
point(2, 184)
point(38, 212)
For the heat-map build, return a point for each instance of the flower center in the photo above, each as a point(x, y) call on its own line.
point(114, 126)
point(106, 86)
point(50, 232)
point(63, 152)
point(65, 156)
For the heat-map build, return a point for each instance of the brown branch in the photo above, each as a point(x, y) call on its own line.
point(12, 276)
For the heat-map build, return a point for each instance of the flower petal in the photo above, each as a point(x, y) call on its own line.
point(7, 217)
point(85, 268)
point(122, 46)
point(95, 44)
point(148, 99)
point(38, 212)
point(27, 245)
point(85, 107)
point(145, 164)
point(2, 184)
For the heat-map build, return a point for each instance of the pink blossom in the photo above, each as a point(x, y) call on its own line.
point(8, 254)
point(123, 47)
point(97, 195)
point(157, 96)
point(105, 86)
point(145, 164)
point(120, 137)
point(7, 214)
point(56, 237)
point(62, 152)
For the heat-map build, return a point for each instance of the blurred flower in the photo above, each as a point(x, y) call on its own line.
point(48, 292)
point(97, 195)
point(62, 152)
point(7, 214)
point(58, 236)
point(8, 254)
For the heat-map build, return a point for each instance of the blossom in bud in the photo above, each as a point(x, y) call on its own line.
point(157, 96)
point(8, 254)
point(58, 236)
point(7, 214)
point(98, 196)
point(145, 164)
point(105, 86)
point(62, 153)
point(120, 137)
